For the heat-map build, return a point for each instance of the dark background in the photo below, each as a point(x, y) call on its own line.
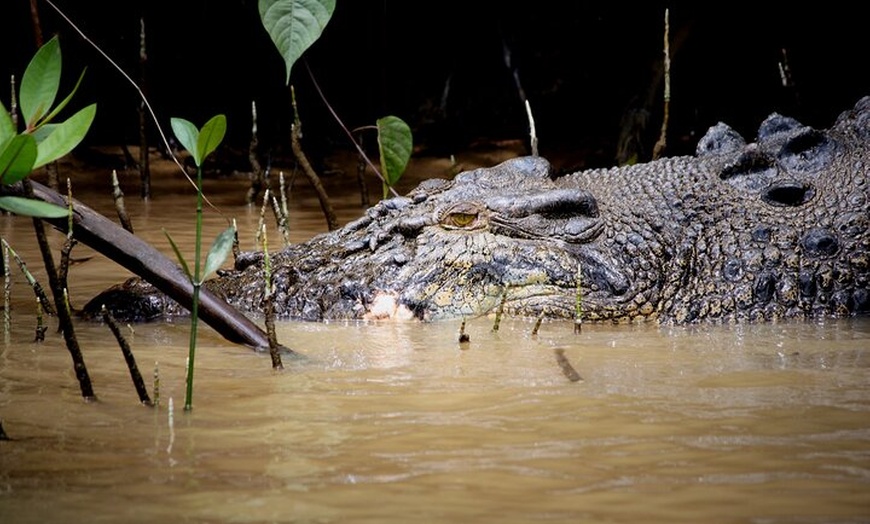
point(584, 66)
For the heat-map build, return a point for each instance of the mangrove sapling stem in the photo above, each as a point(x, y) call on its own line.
point(538, 324)
point(464, 338)
point(197, 284)
point(156, 384)
point(302, 160)
point(37, 288)
point(261, 223)
point(281, 220)
point(144, 164)
point(13, 102)
point(578, 304)
point(662, 142)
point(533, 135)
point(121, 209)
point(171, 423)
point(41, 328)
point(258, 178)
point(236, 249)
point(270, 307)
point(500, 310)
point(282, 187)
point(63, 314)
point(7, 290)
point(69, 243)
point(138, 382)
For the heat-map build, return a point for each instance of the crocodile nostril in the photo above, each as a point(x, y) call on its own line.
point(808, 151)
point(790, 195)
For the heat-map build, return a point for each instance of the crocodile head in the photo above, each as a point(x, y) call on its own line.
point(447, 249)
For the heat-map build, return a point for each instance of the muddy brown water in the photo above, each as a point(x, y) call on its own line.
point(396, 422)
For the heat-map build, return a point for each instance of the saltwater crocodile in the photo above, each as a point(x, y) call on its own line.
point(776, 228)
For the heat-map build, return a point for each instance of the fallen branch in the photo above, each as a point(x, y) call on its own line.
point(143, 259)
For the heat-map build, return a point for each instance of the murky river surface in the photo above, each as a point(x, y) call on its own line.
point(396, 422)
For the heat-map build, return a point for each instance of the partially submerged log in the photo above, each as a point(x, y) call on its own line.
point(143, 259)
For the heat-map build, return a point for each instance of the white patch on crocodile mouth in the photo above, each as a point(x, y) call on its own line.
point(385, 307)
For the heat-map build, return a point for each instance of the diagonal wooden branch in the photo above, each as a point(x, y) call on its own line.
point(143, 259)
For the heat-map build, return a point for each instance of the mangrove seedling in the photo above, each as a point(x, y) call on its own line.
point(200, 144)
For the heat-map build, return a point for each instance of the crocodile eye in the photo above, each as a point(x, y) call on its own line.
point(460, 219)
point(465, 215)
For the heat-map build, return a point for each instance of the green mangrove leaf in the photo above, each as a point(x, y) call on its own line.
point(64, 102)
point(42, 132)
point(17, 156)
point(40, 83)
point(394, 145)
point(179, 255)
point(211, 135)
point(294, 25)
point(219, 251)
point(65, 136)
point(188, 137)
point(7, 128)
point(32, 208)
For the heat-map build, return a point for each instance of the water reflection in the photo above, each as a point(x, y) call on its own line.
point(389, 422)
